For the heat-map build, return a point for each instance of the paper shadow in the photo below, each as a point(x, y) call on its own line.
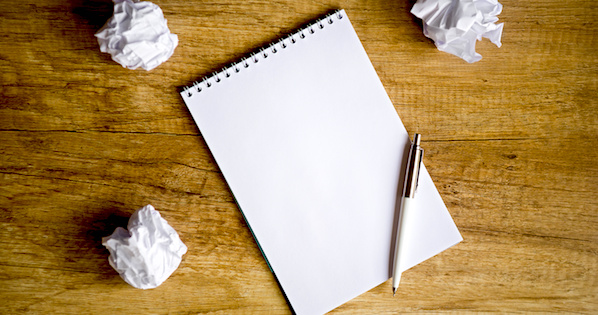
point(91, 15)
point(87, 17)
point(414, 19)
point(100, 224)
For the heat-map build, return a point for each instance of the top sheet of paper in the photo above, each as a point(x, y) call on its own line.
point(313, 150)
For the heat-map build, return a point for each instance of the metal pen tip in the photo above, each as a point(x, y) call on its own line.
point(394, 291)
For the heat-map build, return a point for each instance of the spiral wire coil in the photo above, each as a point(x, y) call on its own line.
point(263, 53)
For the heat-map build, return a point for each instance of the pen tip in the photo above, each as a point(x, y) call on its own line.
point(394, 291)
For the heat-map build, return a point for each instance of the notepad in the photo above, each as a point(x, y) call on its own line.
point(313, 150)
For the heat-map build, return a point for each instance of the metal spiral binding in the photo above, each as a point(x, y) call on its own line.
point(263, 53)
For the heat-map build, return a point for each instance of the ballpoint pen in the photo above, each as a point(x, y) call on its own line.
point(416, 154)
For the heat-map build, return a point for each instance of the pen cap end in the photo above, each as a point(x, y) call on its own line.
point(416, 139)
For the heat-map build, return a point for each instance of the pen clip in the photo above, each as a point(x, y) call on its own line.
point(413, 167)
point(419, 167)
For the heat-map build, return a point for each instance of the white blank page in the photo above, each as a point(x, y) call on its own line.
point(312, 149)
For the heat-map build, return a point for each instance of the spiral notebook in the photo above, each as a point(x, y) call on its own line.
point(313, 150)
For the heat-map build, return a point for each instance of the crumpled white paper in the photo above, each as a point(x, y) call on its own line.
point(137, 35)
point(455, 25)
point(148, 253)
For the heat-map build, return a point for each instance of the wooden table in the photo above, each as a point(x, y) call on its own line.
point(511, 143)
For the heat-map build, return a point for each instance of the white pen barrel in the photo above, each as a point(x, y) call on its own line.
point(402, 241)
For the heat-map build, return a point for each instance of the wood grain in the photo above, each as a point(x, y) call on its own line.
point(511, 143)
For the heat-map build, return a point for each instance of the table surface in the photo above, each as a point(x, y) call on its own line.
point(511, 144)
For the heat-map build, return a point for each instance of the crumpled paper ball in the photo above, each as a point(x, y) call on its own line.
point(137, 35)
point(148, 253)
point(455, 25)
